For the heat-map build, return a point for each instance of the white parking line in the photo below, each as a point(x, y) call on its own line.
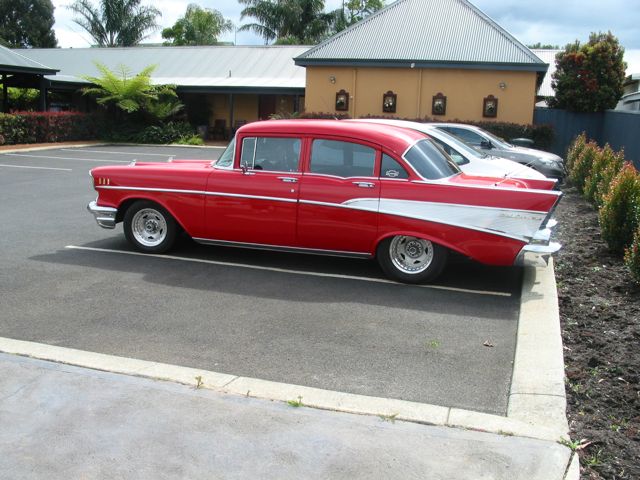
point(36, 168)
point(287, 270)
point(65, 158)
point(129, 153)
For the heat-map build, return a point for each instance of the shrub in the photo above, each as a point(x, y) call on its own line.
point(606, 165)
point(620, 210)
point(575, 149)
point(632, 256)
point(167, 133)
point(43, 127)
point(582, 165)
point(192, 140)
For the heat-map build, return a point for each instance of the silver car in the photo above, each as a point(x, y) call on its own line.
point(549, 164)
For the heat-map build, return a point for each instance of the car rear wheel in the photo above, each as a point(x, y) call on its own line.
point(411, 259)
point(149, 227)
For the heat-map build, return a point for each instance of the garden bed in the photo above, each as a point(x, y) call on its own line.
point(600, 317)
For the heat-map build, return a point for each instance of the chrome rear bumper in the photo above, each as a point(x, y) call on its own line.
point(105, 216)
point(540, 249)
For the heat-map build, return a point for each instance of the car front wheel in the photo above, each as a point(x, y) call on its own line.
point(149, 227)
point(411, 259)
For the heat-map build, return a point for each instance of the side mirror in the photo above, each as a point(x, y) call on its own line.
point(486, 144)
point(244, 168)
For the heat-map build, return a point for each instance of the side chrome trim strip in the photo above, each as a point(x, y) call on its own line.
point(278, 248)
point(199, 192)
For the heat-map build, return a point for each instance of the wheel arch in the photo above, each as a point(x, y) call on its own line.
point(127, 202)
point(418, 234)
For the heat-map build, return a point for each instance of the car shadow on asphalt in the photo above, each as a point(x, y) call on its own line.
point(464, 288)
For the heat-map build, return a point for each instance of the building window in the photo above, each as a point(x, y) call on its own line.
point(389, 101)
point(342, 100)
point(439, 104)
point(490, 106)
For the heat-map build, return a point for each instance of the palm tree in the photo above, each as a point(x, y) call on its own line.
point(287, 21)
point(116, 23)
point(199, 26)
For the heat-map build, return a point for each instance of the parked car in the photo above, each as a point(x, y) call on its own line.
point(335, 188)
point(470, 160)
point(549, 164)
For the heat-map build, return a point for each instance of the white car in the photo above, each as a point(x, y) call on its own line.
point(470, 161)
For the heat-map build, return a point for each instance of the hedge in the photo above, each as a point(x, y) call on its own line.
point(613, 186)
point(45, 127)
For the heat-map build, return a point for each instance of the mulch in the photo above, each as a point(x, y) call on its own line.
point(600, 317)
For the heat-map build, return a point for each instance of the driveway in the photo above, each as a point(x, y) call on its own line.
point(330, 323)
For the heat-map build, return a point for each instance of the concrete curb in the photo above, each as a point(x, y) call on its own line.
point(528, 414)
point(536, 401)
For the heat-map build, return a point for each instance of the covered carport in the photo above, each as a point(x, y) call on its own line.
point(16, 70)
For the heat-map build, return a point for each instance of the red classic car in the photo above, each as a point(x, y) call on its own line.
point(335, 188)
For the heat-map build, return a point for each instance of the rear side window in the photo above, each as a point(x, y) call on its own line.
point(392, 169)
point(342, 159)
point(429, 161)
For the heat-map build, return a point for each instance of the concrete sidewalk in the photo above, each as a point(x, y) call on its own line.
point(68, 413)
point(60, 421)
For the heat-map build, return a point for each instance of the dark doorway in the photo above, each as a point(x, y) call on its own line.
point(266, 106)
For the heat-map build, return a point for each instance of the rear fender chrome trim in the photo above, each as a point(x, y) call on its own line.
point(281, 248)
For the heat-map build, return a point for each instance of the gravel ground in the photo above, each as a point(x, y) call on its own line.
point(600, 316)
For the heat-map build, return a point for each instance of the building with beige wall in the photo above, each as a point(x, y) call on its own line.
point(443, 59)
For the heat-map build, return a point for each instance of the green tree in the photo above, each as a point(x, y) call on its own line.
point(544, 46)
point(27, 23)
point(199, 26)
point(116, 23)
point(589, 77)
point(122, 92)
point(287, 21)
point(353, 11)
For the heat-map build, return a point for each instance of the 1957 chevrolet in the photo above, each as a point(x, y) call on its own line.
point(334, 188)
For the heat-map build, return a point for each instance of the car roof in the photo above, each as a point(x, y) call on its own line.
point(461, 125)
point(397, 139)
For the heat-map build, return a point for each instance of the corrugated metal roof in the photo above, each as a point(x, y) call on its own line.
point(632, 57)
point(11, 60)
point(424, 32)
point(215, 67)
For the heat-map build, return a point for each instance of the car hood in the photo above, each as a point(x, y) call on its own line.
point(532, 152)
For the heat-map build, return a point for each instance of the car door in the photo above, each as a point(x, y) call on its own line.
point(256, 202)
point(339, 195)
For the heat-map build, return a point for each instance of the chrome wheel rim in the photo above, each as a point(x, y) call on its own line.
point(149, 227)
point(411, 254)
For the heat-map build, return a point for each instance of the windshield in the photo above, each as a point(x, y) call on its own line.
point(226, 159)
point(429, 161)
point(500, 142)
point(455, 142)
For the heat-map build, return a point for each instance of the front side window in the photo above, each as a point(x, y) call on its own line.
point(342, 159)
point(270, 154)
point(466, 135)
point(429, 161)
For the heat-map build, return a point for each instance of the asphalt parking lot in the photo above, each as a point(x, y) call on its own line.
point(330, 323)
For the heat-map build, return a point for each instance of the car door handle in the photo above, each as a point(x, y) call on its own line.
point(289, 179)
point(364, 184)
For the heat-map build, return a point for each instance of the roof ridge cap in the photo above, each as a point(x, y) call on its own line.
point(502, 31)
point(350, 28)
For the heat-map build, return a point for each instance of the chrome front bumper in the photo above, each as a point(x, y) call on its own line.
point(540, 249)
point(105, 216)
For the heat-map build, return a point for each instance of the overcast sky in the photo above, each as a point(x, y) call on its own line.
point(547, 21)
